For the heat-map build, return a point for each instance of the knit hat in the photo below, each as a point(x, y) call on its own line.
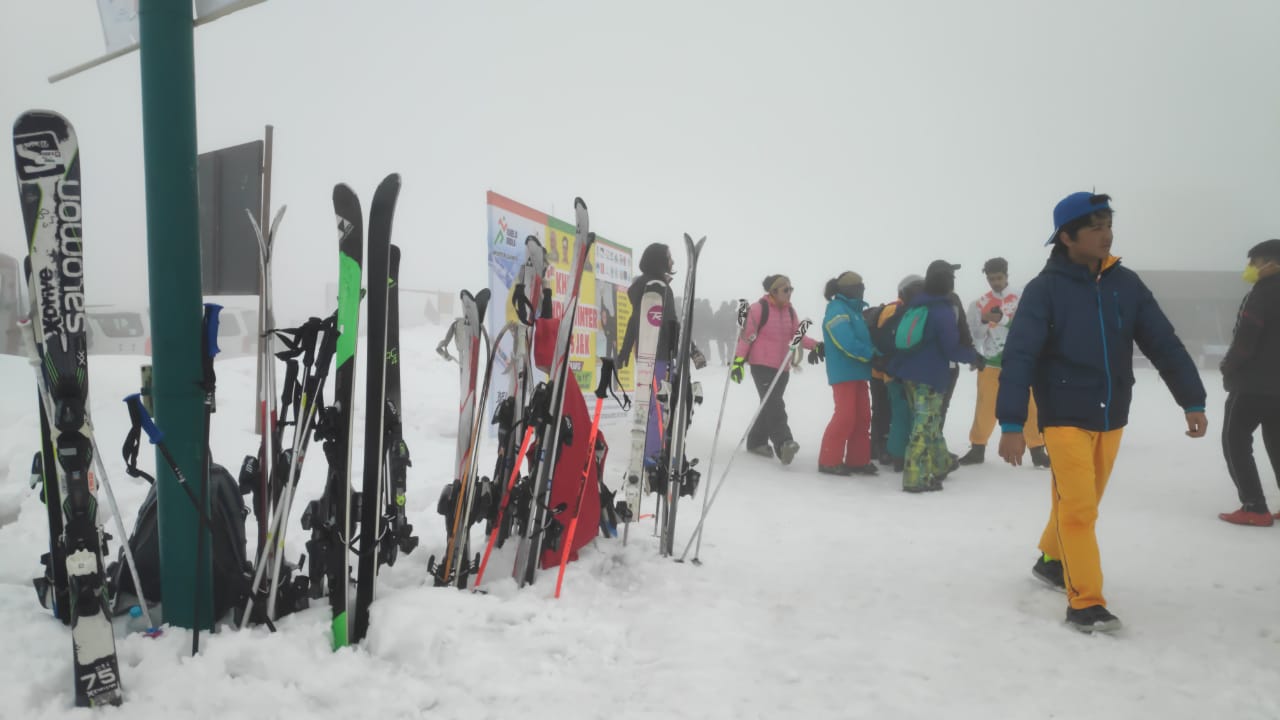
point(908, 281)
point(1075, 206)
point(848, 283)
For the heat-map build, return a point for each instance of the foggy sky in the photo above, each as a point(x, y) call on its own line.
point(802, 137)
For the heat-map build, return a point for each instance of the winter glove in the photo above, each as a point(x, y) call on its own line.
point(818, 353)
point(979, 364)
point(735, 370)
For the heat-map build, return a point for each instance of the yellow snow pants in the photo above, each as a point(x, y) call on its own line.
point(1081, 461)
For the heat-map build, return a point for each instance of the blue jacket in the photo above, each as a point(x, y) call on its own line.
point(1072, 344)
point(930, 361)
point(848, 342)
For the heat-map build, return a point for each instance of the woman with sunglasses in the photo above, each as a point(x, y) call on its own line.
point(765, 345)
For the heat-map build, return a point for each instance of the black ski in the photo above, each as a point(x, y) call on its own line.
point(681, 478)
point(399, 537)
point(47, 161)
point(381, 213)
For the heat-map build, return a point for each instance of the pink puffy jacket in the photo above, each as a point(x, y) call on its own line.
point(772, 341)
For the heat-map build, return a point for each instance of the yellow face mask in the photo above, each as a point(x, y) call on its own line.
point(1250, 274)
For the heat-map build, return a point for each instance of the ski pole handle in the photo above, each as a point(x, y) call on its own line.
point(211, 313)
point(138, 413)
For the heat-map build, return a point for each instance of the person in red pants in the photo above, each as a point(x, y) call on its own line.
point(847, 347)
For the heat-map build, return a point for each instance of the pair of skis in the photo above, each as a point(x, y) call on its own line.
point(380, 504)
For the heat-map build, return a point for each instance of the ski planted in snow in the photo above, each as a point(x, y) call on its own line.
point(47, 163)
point(381, 214)
point(551, 422)
point(329, 518)
point(459, 498)
point(681, 478)
point(399, 537)
point(649, 328)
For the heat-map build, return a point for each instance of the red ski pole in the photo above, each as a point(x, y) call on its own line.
point(606, 371)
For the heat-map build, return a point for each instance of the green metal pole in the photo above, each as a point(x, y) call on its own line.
point(173, 262)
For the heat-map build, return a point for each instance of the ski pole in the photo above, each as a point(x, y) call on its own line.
point(697, 531)
point(209, 342)
point(744, 306)
point(606, 375)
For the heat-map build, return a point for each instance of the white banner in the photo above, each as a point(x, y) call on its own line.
point(119, 23)
point(120, 18)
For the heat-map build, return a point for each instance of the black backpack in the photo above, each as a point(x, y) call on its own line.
point(230, 563)
point(882, 335)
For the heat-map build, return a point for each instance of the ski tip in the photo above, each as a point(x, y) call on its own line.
point(389, 181)
point(688, 239)
point(579, 204)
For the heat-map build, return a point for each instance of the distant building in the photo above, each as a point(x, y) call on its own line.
point(1202, 306)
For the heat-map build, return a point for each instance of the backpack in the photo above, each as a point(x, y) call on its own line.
point(230, 563)
point(910, 327)
point(882, 334)
point(764, 314)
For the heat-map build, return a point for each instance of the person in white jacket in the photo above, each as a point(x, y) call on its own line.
point(989, 319)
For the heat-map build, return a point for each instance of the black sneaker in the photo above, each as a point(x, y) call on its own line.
point(788, 451)
point(898, 464)
point(761, 450)
point(868, 469)
point(1049, 572)
point(1040, 457)
point(835, 470)
point(976, 456)
point(1094, 618)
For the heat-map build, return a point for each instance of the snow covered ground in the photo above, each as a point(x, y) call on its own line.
point(820, 597)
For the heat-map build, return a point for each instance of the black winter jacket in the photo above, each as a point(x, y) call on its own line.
point(1252, 363)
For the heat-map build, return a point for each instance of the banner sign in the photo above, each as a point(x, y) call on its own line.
point(603, 308)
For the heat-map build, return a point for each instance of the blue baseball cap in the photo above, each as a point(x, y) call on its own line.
point(1075, 206)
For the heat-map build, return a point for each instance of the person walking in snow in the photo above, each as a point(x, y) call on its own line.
point(1072, 345)
point(846, 444)
point(928, 342)
point(989, 319)
point(1251, 377)
point(765, 345)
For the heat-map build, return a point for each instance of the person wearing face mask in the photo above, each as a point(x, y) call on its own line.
point(765, 344)
point(1072, 344)
point(1251, 377)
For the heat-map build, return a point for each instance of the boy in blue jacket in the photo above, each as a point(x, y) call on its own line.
point(1072, 345)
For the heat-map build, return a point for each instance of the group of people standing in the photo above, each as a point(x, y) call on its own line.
point(1054, 367)
point(1054, 371)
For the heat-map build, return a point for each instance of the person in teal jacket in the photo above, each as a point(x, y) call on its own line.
point(846, 444)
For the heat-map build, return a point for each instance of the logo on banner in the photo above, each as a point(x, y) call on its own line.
point(38, 155)
point(655, 316)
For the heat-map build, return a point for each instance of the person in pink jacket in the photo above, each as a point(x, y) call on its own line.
point(765, 345)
